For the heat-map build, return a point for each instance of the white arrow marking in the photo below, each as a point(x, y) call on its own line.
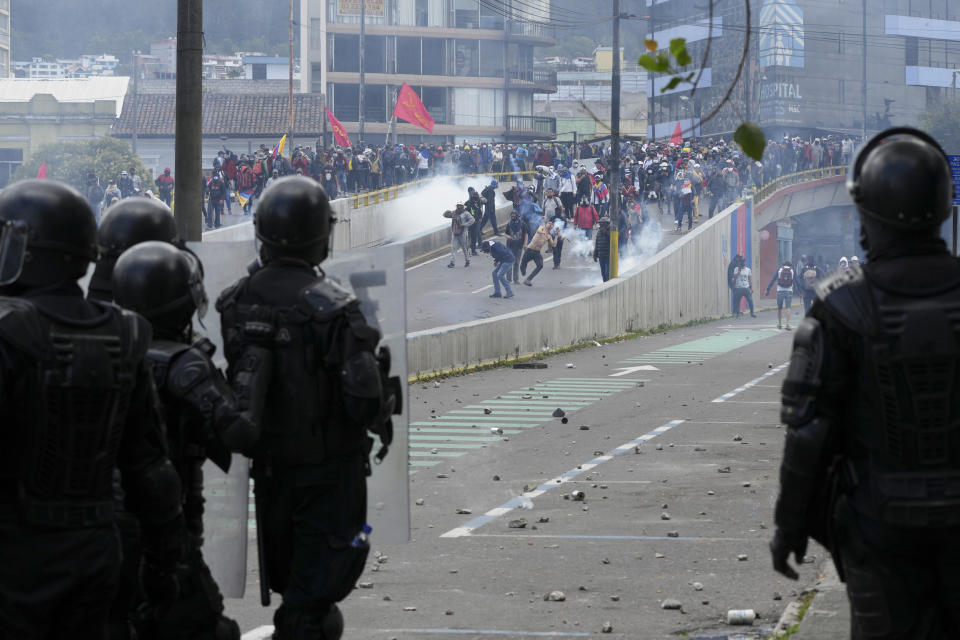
point(625, 371)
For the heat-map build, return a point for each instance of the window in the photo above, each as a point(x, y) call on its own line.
point(491, 58)
point(421, 11)
point(375, 60)
point(466, 58)
point(489, 18)
point(408, 55)
point(259, 71)
point(375, 103)
point(466, 14)
point(435, 100)
point(346, 102)
point(316, 34)
point(316, 83)
point(434, 56)
point(346, 53)
point(10, 159)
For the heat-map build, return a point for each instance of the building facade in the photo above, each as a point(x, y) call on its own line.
point(5, 70)
point(581, 104)
point(808, 70)
point(470, 61)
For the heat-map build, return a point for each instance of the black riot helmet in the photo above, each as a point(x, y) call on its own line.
point(132, 221)
point(900, 181)
point(293, 220)
point(48, 234)
point(125, 224)
point(162, 283)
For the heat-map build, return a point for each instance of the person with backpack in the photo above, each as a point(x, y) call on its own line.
point(784, 279)
point(811, 273)
point(460, 222)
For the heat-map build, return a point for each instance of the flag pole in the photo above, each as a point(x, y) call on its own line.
point(391, 132)
point(290, 74)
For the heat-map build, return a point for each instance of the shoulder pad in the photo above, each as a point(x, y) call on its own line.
point(190, 368)
point(229, 296)
point(205, 346)
point(139, 332)
point(846, 295)
point(165, 350)
point(325, 296)
point(20, 325)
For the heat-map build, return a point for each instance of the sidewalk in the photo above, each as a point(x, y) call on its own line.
point(828, 617)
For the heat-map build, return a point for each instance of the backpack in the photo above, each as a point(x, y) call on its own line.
point(730, 177)
point(785, 280)
point(810, 278)
point(246, 179)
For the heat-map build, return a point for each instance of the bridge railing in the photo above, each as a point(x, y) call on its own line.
point(391, 193)
point(799, 177)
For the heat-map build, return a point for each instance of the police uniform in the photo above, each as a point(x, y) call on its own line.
point(77, 402)
point(871, 402)
point(312, 459)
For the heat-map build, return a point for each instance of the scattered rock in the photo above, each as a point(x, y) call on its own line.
point(564, 420)
point(497, 431)
point(559, 413)
point(584, 427)
point(742, 557)
point(744, 484)
point(671, 605)
point(448, 612)
point(711, 493)
point(606, 628)
point(581, 588)
point(442, 476)
point(615, 598)
point(738, 438)
point(673, 534)
point(577, 495)
point(723, 470)
point(659, 555)
point(487, 411)
point(419, 502)
point(496, 478)
point(434, 451)
point(518, 524)
point(605, 561)
point(636, 449)
point(555, 596)
point(664, 516)
point(659, 447)
point(365, 585)
point(387, 599)
point(409, 608)
point(543, 519)
point(382, 559)
point(464, 512)
point(697, 586)
point(777, 596)
point(570, 365)
point(699, 449)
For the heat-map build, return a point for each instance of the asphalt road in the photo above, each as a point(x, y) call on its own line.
point(678, 463)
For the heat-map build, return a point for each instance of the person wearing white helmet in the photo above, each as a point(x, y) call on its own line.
point(844, 264)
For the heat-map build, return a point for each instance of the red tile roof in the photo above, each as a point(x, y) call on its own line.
point(232, 115)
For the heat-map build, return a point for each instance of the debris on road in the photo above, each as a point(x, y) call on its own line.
point(519, 523)
point(419, 502)
point(564, 420)
point(555, 596)
point(497, 431)
point(559, 413)
point(741, 616)
point(487, 411)
point(577, 495)
point(496, 478)
point(738, 438)
point(409, 608)
point(664, 516)
point(543, 519)
point(671, 605)
point(530, 365)
point(584, 427)
point(697, 586)
point(570, 365)
point(365, 585)
point(464, 512)
point(673, 534)
point(723, 470)
point(742, 557)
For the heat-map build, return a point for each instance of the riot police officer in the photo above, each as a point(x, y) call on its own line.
point(129, 222)
point(204, 420)
point(77, 401)
point(311, 462)
point(872, 404)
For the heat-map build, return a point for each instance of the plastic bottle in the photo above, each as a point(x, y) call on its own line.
point(362, 539)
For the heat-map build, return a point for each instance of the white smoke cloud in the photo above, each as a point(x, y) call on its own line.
point(421, 209)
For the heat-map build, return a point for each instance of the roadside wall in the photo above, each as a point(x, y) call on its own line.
point(684, 282)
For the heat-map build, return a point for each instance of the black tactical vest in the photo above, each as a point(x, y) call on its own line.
point(68, 414)
point(304, 420)
point(903, 419)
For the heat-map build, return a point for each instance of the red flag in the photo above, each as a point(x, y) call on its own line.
point(42, 172)
point(410, 108)
point(339, 133)
point(677, 137)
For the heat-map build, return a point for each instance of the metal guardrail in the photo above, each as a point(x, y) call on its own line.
point(799, 177)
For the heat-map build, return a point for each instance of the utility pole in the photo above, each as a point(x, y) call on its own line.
point(136, 106)
point(863, 82)
point(189, 130)
point(615, 146)
point(290, 73)
point(651, 120)
point(363, 34)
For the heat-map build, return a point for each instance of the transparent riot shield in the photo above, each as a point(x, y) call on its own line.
point(377, 277)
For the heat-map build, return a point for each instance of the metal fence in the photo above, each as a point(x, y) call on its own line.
point(799, 177)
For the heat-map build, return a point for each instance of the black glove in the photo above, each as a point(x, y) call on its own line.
point(783, 544)
point(161, 586)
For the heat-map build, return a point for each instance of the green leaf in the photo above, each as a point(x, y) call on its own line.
point(678, 47)
point(751, 139)
point(674, 81)
point(658, 65)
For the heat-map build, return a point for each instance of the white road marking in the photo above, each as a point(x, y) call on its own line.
point(260, 633)
point(417, 266)
point(725, 397)
point(489, 286)
point(625, 371)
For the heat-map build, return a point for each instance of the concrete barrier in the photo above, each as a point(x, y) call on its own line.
point(684, 282)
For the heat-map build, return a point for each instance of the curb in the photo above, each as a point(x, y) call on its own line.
point(826, 618)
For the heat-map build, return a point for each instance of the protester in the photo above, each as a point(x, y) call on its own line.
point(742, 287)
point(503, 261)
point(785, 284)
point(515, 233)
point(601, 248)
point(586, 217)
point(460, 222)
point(541, 237)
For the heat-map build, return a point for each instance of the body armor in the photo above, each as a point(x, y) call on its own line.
point(903, 444)
point(68, 418)
point(305, 420)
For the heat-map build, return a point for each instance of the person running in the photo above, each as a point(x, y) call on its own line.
point(543, 236)
point(503, 261)
point(784, 279)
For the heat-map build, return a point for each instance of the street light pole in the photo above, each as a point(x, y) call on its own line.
point(363, 33)
point(615, 146)
point(189, 133)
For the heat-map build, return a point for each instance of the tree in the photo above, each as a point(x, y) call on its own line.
point(70, 162)
point(941, 119)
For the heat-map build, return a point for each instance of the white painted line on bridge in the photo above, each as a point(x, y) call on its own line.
point(494, 632)
point(514, 503)
point(260, 633)
point(489, 286)
point(417, 266)
point(725, 397)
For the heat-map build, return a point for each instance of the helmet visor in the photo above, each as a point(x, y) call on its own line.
point(13, 248)
point(197, 292)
